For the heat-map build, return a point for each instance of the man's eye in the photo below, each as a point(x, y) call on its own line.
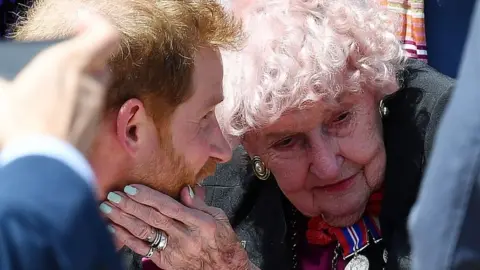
point(206, 116)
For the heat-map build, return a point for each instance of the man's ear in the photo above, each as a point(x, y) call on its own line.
point(133, 124)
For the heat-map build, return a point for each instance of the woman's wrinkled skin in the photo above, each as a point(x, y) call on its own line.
point(327, 158)
point(199, 236)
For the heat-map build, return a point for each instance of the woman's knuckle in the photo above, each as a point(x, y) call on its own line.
point(158, 220)
point(210, 226)
point(142, 231)
point(177, 210)
point(150, 198)
point(124, 219)
point(131, 207)
point(220, 213)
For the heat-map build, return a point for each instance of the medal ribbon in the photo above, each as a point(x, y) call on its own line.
point(354, 238)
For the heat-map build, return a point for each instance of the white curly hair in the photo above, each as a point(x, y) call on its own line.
point(299, 51)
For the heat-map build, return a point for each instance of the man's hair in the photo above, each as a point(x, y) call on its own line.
point(159, 39)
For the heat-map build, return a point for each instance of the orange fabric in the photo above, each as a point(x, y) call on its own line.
point(412, 32)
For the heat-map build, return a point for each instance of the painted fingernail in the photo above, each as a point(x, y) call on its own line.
point(105, 208)
point(191, 192)
point(111, 229)
point(114, 197)
point(130, 190)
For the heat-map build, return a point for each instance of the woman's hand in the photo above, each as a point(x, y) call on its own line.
point(199, 236)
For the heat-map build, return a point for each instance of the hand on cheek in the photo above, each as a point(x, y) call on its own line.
point(199, 236)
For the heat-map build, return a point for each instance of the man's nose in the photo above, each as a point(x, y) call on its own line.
point(219, 147)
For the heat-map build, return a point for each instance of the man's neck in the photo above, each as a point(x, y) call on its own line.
point(109, 169)
point(108, 159)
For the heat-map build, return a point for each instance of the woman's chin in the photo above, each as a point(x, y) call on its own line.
point(338, 217)
point(344, 214)
point(340, 211)
point(342, 220)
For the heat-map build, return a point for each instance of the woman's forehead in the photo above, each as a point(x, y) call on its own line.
point(296, 120)
point(308, 116)
point(324, 107)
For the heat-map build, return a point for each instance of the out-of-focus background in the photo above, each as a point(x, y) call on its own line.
point(8, 12)
point(444, 32)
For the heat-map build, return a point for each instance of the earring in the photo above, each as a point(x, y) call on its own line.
point(259, 168)
point(382, 109)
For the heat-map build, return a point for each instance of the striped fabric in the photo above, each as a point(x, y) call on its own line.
point(412, 33)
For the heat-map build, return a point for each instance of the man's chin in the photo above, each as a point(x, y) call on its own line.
point(201, 178)
point(208, 170)
point(200, 181)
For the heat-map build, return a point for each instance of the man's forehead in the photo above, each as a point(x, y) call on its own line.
point(210, 99)
point(208, 77)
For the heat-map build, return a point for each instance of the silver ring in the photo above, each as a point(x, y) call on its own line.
point(162, 241)
point(150, 252)
point(157, 238)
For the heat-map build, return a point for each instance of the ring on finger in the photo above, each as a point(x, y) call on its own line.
point(153, 235)
point(157, 238)
point(150, 252)
point(162, 242)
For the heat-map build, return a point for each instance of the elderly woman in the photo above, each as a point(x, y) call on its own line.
point(336, 127)
point(328, 109)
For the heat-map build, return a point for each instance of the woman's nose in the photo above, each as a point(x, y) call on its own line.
point(326, 163)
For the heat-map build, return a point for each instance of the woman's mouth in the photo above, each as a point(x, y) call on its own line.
point(339, 186)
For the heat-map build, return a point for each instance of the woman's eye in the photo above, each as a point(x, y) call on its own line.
point(284, 142)
point(340, 124)
point(341, 117)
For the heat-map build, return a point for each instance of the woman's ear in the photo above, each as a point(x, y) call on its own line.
point(249, 141)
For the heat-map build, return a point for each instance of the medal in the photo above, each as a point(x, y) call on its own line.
point(359, 262)
point(353, 239)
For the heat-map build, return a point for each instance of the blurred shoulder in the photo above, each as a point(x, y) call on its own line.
point(422, 97)
point(419, 75)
